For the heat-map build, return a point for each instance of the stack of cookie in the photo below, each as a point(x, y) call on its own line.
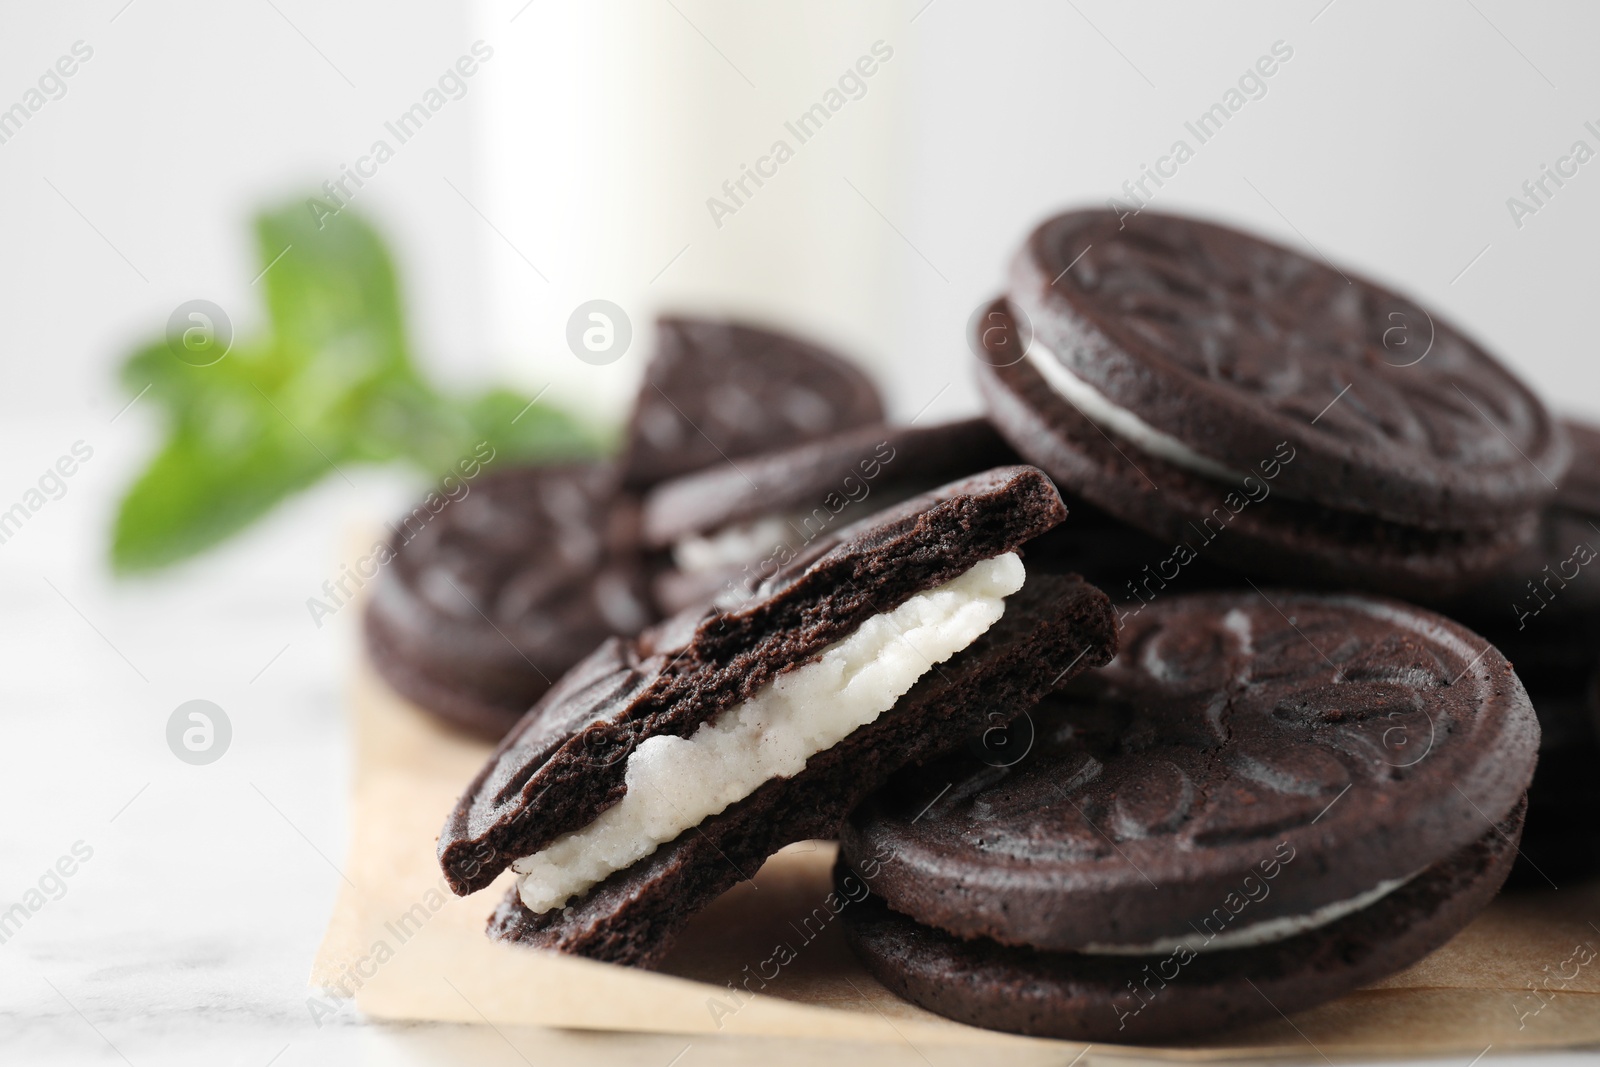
point(1288, 422)
point(1221, 825)
point(1276, 763)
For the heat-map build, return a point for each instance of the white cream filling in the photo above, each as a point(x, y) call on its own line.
point(675, 783)
point(1261, 933)
point(732, 546)
point(1119, 421)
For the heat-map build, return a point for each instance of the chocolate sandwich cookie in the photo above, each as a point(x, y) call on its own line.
point(496, 597)
point(1258, 806)
point(719, 390)
point(1234, 397)
point(488, 599)
point(663, 770)
point(732, 525)
point(1542, 610)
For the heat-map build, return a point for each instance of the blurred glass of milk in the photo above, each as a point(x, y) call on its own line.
point(682, 155)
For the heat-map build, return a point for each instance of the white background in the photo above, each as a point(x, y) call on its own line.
point(584, 151)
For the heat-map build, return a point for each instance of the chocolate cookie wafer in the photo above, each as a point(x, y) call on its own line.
point(1278, 414)
point(1263, 803)
point(663, 770)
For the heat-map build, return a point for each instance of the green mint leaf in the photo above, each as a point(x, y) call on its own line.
point(525, 432)
point(198, 492)
point(332, 298)
point(330, 383)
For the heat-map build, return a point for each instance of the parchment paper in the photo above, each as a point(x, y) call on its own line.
point(1524, 975)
